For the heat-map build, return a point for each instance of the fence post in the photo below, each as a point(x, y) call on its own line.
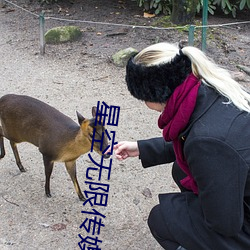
point(2, 3)
point(191, 35)
point(204, 24)
point(42, 31)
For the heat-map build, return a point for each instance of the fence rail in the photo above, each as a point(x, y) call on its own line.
point(191, 28)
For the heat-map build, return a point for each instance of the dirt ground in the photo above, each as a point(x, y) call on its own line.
point(75, 76)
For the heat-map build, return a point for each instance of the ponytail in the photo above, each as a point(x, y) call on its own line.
point(218, 78)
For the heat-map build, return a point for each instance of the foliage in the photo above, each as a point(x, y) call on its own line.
point(47, 1)
point(165, 6)
point(211, 7)
point(226, 6)
point(232, 6)
point(158, 6)
point(244, 4)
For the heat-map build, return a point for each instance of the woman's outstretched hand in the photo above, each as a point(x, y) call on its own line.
point(126, 149)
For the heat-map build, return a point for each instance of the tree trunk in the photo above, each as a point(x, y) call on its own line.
point(183, 11)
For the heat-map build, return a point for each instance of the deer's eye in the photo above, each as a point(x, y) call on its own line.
point(91, 136)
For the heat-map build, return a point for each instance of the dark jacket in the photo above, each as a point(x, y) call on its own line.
point(216, 145)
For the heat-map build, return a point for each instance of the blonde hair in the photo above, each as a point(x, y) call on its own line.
point(202, 67)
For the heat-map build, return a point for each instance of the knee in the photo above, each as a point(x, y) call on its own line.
point(153, 218)
point(159, 229)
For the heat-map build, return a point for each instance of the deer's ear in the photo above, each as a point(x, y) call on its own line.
point(80, 118)
point(94, 111)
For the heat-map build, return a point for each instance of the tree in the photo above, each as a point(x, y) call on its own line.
point(183, 11)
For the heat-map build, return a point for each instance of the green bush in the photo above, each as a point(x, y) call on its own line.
point(211, 7)
point(157, 6)
point(47, 1)
point(227, 6)
point(232, 6)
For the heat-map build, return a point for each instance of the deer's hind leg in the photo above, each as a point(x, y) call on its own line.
point(1, 144)
point(71, 168)
point(15, 151)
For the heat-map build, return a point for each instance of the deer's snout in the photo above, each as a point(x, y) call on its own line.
point(106, 156)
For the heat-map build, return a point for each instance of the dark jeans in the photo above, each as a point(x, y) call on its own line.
point(158, 227)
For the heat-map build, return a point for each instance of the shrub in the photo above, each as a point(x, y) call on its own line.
point(47, 1)
point(165, 6)
point(157, 6)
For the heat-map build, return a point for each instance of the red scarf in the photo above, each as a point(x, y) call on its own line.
point(174, 119)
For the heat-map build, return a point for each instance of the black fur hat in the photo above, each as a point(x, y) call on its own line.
point(156, 83)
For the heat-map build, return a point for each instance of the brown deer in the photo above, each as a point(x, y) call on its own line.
point(59, 138)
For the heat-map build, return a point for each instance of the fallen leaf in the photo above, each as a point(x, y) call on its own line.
point(146, 192)
point(58, 227)
point(147, 15)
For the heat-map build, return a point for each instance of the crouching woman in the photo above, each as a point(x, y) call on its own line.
point(205, 122)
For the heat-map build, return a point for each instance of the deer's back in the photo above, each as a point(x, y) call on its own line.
point(24, 118)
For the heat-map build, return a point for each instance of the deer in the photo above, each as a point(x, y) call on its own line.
point(58, 138)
